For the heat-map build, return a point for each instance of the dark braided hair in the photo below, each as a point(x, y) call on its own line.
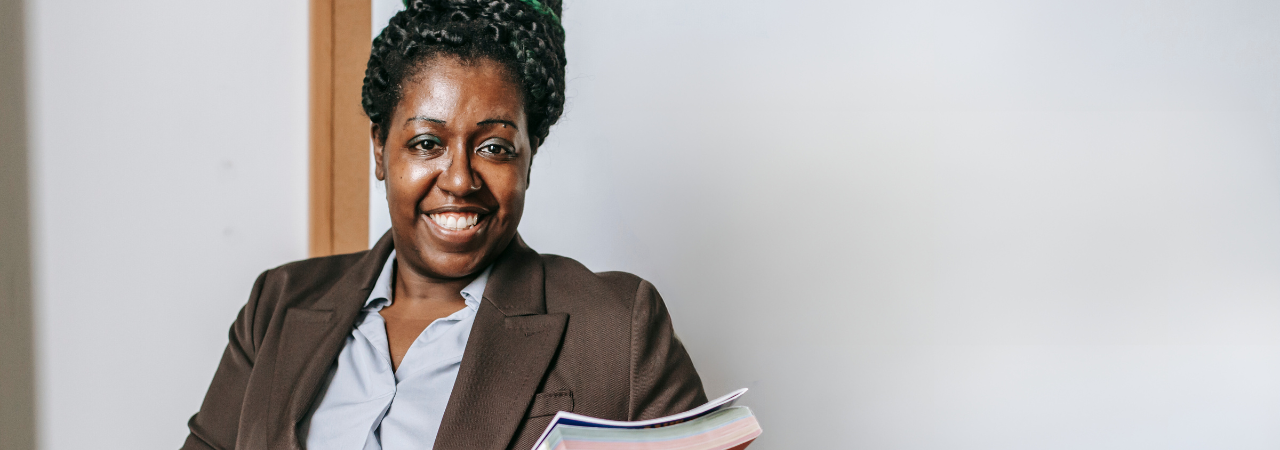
point(524, 36)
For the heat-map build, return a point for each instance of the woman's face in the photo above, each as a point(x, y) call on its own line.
point(456, 165)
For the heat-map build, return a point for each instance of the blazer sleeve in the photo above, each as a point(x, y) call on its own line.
point(216, 424)
point(663, 380)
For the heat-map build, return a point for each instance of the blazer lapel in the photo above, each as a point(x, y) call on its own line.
point(511, 346)
point(313, 336)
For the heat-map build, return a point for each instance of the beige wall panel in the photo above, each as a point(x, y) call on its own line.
point(340, 130)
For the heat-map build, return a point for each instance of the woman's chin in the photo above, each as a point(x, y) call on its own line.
point(433, 263)
point(453, 253)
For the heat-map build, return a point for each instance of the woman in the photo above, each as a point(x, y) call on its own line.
point(450, 332)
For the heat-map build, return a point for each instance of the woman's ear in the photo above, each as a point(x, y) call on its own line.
point(379, 168)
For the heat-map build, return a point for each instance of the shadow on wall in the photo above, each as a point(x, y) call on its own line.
point(17, 399)
point(17, 412)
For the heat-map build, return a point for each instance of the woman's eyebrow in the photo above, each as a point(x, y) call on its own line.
point(501, 121)
point(423, 119)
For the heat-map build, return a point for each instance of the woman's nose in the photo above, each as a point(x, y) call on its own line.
point(458, 179)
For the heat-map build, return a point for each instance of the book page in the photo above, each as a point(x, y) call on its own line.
point(568, 418)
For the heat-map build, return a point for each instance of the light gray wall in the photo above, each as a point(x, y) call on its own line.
point(935, 224)
point(17, 401)
point(379, 215)
point(169, 168)
point(906, 225)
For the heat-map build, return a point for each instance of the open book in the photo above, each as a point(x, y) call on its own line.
point(716, 425)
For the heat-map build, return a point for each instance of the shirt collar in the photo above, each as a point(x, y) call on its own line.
point(380, 296)
point(475, 290)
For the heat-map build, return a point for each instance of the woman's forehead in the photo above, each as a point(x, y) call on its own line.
point(450, 88)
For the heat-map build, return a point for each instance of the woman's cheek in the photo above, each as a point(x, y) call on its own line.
point(414, 180)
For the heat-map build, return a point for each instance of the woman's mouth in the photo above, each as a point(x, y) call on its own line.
point(455, 221)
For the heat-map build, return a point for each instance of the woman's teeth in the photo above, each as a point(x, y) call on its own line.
point(455, 221)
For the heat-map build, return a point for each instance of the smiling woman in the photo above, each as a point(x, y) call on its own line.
point(455, 156)
point(450, 332)
point(456, 164)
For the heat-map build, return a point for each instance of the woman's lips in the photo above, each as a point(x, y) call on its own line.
point(455, 221)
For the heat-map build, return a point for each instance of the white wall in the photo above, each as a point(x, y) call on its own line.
point(169, 168)
point(932, 224)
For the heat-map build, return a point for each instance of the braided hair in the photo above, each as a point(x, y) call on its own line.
point(524, 36)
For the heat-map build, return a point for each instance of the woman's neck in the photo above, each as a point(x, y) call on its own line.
point(414, 287)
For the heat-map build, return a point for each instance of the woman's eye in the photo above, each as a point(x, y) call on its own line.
point(497, 150)
point(427, 144)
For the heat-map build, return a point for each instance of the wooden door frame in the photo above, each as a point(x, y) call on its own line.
point(339, 160)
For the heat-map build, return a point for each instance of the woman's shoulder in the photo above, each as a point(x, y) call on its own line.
point(572, 287)
point(317, 270)
point(322, 264)
point(299, 283)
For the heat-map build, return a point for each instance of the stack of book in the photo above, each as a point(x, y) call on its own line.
point(717, 425)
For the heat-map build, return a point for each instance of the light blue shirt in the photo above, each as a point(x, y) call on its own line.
point(369, 406)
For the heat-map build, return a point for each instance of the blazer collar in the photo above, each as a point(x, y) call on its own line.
point(359, 278)
point(512, 344)
point(515, 284)
point(315, 335)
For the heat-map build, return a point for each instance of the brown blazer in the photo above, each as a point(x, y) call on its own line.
point(550, 335)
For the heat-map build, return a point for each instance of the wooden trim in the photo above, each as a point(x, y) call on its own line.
point(321, 197)
point(340, 43)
